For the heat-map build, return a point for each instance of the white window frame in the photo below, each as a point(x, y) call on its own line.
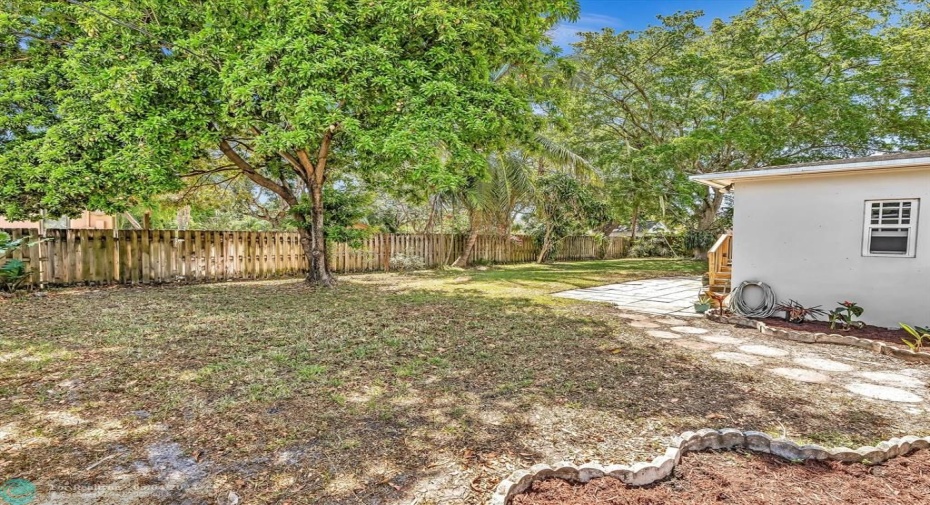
point(911, 227)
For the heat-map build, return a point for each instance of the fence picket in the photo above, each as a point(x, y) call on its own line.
point(133, 256)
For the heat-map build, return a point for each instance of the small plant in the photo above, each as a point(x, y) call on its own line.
point(13, 272)
point(920, 335)
point(846, 314)
point(797, 313)
point(407, 262)
point(702, 304)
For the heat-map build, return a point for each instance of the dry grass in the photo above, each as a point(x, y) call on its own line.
point(387, 389)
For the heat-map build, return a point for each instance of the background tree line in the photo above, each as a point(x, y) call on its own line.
point(342, 119)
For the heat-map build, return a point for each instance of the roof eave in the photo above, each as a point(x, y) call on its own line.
point(724, 179)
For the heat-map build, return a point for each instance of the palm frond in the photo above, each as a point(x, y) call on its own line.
point(563, 156)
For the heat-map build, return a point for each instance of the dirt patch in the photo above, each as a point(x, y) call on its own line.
point(746, 478)
point(891, 336)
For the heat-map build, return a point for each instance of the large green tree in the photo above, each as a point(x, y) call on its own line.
point(784, 81)
point(106, 102)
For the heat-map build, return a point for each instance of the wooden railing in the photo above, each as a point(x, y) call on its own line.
point(72, 257)
point(719, 262)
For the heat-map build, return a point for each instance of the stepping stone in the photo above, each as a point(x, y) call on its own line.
point(827, 365)
point(691, 330)
point(663, 334)
point(886, 393)
point(671, 320)
point(722, 339)
point(644, 324)
point(738, 357)
point(763, 350)
point(800, 374)
point(633, 315)
point(697, 346)
point(893, 378)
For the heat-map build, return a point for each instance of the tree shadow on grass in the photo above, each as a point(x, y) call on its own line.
point(356, 395)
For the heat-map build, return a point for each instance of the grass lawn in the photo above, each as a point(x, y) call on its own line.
point(426, 387)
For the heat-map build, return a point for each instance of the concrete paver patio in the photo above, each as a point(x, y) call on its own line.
point(669, 296)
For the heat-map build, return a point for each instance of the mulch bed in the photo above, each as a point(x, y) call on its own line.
point(753, 479)
point(886, 335)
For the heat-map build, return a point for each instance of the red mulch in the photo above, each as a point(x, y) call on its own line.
point(753, 479)
point(886, 335)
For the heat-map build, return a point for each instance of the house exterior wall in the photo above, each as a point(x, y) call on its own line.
point(803, 236)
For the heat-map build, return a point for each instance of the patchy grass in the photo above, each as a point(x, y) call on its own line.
point(386, 389)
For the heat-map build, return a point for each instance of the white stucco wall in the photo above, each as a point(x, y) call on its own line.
point(802, 235)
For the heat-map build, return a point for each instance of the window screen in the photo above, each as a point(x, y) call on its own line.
point(890, 228)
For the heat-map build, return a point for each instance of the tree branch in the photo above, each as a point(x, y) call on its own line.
point(256, 177)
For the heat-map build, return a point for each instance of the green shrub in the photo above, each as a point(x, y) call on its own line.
point(407, 262)
point(657, 246)
point(700, 240)
point(13, 272)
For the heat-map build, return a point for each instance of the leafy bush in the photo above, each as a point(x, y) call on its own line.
point(13, 272)
point(564, 206)
point(657, 246)
point(407, 262)
point(701, 240)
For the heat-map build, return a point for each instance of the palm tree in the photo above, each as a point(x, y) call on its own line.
point(493, 200)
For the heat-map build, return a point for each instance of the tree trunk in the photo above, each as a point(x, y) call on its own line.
point(546, 245)
point(319, 271)
point(635, 224)
point(707, 216)
point(462, 261)
point(608, 228)
point(709, 209)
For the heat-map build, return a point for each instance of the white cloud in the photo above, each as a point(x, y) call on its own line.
point(563, 34)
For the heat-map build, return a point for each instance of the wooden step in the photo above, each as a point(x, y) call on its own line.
point(721, 286)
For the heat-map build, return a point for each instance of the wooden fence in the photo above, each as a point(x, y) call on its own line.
point(71, 257)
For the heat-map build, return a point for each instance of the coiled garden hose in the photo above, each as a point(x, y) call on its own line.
point(765, 309)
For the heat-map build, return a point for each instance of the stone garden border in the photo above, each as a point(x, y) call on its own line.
point(821, 338)
point(643, 474)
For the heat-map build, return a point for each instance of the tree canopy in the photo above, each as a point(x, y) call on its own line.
point(110, 101)
point(784, 81)
point(439, 114)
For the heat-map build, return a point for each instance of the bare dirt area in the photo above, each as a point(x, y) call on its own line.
point(740, 478)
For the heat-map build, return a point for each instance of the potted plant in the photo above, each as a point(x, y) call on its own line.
point(702, 305)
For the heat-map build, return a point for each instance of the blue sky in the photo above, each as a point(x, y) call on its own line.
point(638, 14)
